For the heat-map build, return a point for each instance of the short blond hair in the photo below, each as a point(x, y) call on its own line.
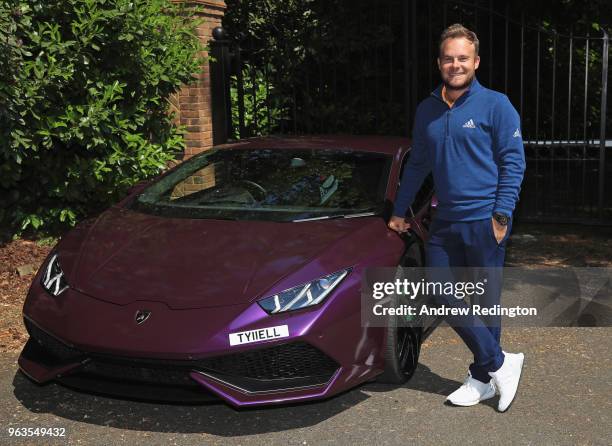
point(457, 31)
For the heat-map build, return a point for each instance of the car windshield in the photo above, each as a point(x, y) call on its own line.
point(271, 184)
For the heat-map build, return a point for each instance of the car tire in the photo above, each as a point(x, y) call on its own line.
point(414, 254)
point(403, 346)
point(402, 341)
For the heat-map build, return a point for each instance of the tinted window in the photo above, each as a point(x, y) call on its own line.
point(277, 185)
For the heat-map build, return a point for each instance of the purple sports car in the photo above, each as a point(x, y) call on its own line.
point(236, 274)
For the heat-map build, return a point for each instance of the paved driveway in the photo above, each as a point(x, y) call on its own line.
point(565, 398)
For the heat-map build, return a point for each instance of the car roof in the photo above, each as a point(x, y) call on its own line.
point(370, 143)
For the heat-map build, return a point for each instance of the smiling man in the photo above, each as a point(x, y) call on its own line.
point(470, 138)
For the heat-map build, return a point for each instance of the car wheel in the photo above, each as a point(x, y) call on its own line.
point(401, 354)
point(403, 342)
point(413, 256)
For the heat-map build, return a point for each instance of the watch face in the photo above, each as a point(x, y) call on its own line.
point(501, 219)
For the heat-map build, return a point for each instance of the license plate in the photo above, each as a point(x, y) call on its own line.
point(262, 334)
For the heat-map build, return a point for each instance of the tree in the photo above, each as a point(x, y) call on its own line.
point(84, 115)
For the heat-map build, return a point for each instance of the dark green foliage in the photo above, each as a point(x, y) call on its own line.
point(263, 107)
point(322, 63)
point(358, 66)
point(83, 102)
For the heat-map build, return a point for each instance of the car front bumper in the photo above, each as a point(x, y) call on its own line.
point(184, 355)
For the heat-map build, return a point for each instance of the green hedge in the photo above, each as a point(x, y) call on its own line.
point(83, 103)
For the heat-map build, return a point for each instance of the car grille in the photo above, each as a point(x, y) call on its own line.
point(53, 347)
point(129, 371)
point(269, 369)
point(290, 366)
point(294, 360)
point(108, 374)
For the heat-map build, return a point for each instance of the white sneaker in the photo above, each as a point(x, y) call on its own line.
point(472, 392)
point(507, 379)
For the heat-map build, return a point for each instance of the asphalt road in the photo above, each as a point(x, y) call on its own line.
point(565, 398)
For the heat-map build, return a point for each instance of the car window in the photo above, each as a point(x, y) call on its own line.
point(271, 184)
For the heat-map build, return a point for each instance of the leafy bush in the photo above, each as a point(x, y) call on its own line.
point(322, 72)
point(84, 110)
point(263, 107)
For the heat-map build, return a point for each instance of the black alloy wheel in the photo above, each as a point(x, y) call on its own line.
point(403, 339)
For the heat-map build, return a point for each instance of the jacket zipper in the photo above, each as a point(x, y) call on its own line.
point(447, 132)
point(448, 112)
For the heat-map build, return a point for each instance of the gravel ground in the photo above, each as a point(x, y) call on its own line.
point(564, 400)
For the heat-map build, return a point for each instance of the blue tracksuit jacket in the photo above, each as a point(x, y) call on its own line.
point(475, 151)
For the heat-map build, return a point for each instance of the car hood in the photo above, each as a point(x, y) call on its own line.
point(128, 256)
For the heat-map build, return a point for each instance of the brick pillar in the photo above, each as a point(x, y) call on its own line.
point(193, 104)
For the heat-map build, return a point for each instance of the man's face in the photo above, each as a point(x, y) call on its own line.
point(457, 63)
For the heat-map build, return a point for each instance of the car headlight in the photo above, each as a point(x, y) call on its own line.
point(53, 279)
point(302, 296)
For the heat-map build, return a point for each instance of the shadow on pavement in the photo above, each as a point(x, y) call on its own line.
point(424, 380)
point(212, 418)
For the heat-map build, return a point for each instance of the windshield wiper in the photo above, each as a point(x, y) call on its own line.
point(212, 203)
point(362, 214)
point(327, 217)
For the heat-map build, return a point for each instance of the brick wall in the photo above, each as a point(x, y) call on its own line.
point(199, 180)
point(193, 104)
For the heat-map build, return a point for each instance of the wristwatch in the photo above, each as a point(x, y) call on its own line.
point(501, 218)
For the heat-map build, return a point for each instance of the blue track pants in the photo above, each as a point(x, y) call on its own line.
point(470, 244)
